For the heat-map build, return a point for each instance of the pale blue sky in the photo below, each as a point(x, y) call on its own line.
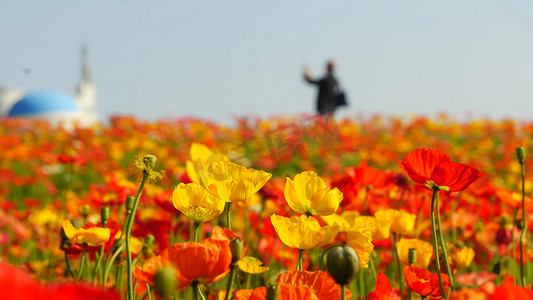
point(212, 59)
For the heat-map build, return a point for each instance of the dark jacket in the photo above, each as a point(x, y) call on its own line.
point(327, 93)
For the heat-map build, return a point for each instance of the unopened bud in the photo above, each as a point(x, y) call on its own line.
point(165, 282)
point(105, 213)
point(84, 210)
point(519, 224)
point(521, 154)
point(236, 249)
point(412, 255)
point(272, 292)
point(342, 264)
point(149, 240)
point(129, 202)
point(118, 243)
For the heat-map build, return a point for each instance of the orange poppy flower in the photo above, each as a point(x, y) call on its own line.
point(320, 282)
point(145, 274)
point(285, 292)
point(433, 168)
point(205, 262)
point(423, 282)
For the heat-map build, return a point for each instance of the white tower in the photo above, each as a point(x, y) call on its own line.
point(8, 98)
point(86, 92)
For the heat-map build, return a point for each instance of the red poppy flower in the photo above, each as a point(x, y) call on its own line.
point(433, 168)
point(320, 282)
point(204, 262)
point(423, 282)
point(508, 290)
point(16, 283)
point(383, 289)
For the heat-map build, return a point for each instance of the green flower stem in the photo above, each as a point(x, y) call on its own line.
point(196, 229)
point(82, 263)
point(398, 265)
point(196, 291)
point(373, 266)
point(435, 244)
point(247, 284)
point(443, 244)
point(148, 292)
point(232, 274)
point(97, 266)
point(324, 253)
point(299, 265)
point(228, 215)
point(524, 226)
point(110, 262)
point(343, 292)
point(129, 225)
point(69, 270)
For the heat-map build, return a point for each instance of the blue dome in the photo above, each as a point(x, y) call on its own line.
point(36, 103)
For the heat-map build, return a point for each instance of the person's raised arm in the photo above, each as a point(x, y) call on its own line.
point(307, 76)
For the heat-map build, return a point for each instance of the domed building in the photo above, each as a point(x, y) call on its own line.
point(56, 107)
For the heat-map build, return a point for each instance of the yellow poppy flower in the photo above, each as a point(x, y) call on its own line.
point(200, 153)
point(251, 265)
point(461, 257)
point(136, 246)
point(303, 232)
point(403, 223)
point(360, 239)
point(230, 181)
point(384, 219)
point(349, 219)
point(94, 236)
point(308, 193)
point(392, 220)
point(424, 252)
point(196, 202)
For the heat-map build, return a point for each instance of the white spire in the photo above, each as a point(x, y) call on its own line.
point(86, 95)
point(86, 70)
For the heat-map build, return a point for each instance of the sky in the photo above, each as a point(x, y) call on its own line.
point(220, 59)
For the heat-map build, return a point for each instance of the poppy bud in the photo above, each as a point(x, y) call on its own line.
point(64, 240)
point(521, 154)
point(149, 240)
point(105, 212)
point(519, 224)
point(272, 292)
point(504, 236)
point(342, 264)
point(236, 249)
point(84, 210)
point(129, 202)
point(412, 255)
point(117, 245)
point(165, 282)
point(497, 268)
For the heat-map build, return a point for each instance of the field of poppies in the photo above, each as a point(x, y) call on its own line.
point(300, 207)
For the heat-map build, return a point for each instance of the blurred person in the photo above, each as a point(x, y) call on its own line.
point(328, 90)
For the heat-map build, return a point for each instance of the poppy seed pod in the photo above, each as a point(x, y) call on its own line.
point(521, 154)
point(236, 249)
point(165, 282)
point(150, 161)
point(342, 264)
